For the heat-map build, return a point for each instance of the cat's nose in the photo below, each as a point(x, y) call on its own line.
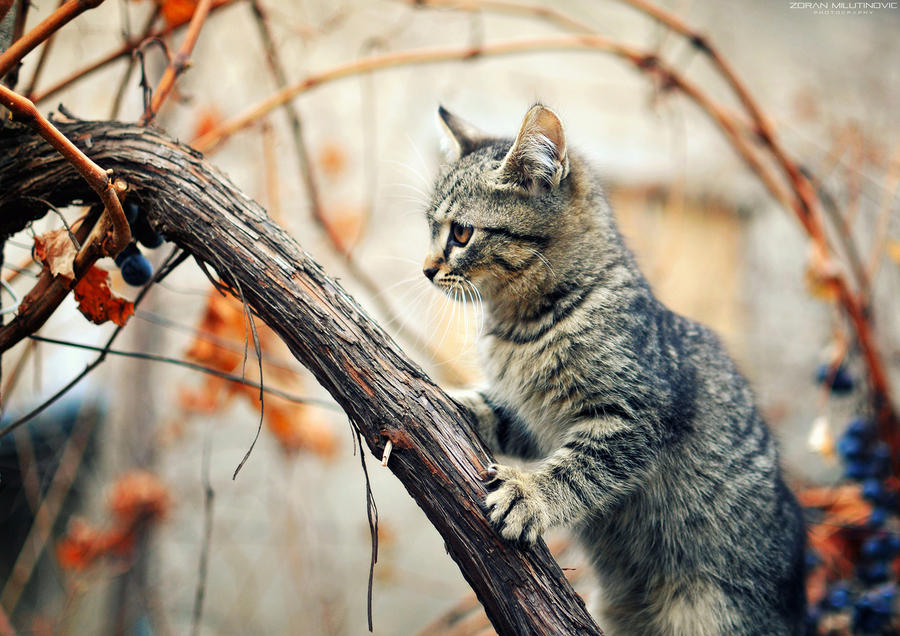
point(430, 272)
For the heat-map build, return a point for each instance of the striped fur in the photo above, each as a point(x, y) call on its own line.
point(648, 440)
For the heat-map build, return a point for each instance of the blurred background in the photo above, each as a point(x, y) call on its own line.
point(104, 510)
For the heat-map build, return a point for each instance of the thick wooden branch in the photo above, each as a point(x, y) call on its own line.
point(387, 397)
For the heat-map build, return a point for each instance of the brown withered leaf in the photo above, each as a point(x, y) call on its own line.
point(57, 252)
point(97, 301)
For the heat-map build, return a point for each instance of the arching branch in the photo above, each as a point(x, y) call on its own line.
point(387, 397)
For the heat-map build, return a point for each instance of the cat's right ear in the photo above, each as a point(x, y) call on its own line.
point(465, 137)
point(538, 158)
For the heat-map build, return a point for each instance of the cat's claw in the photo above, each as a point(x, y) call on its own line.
point(516, 507)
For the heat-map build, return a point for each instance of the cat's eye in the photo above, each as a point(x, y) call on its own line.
point(460, 234)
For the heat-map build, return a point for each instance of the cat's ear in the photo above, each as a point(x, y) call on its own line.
point(538, 158)
point(465, 136)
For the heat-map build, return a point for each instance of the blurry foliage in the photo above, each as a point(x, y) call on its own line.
point(137, 500)
point(294, 426)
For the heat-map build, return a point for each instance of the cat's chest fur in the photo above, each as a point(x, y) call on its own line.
point(538, 381)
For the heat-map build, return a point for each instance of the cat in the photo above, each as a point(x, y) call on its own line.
point(647, 440)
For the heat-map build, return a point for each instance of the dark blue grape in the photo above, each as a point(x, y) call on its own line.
point(136, 270)
point(878, 517)
point(859, 427)
point(873, 548)
point(873, 611)
point(145, 234)
point(881, 459)
point(130, 250)
point(857, 469)
point(841, 382)
point(851, 446)
point(873, 490)
point(813, 559)
point(131, 212)
point(838, 597)
point(892, 545)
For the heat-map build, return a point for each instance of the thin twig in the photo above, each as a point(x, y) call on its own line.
point(276, 68)
point(24, 45)
point(259, 359)
point(193, 366)
point(126, 49)
point(123, 83)
point(548, 14)
point(203, 567)
point(179, 62)
point(42, 60)
point(372, 516)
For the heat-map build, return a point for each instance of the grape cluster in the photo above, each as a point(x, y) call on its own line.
point(136, 269)
point(868, 460)
point(868, 602)
point(841, 381)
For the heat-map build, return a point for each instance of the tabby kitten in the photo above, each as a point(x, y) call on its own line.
point(649, 443)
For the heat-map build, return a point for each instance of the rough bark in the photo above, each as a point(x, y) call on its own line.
point(436, 454)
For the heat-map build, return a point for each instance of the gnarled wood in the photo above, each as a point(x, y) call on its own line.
point(435, 452)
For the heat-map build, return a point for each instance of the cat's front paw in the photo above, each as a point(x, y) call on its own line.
point(515, 504)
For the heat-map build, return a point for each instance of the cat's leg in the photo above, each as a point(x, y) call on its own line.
point(600, 461)
point(498, 426)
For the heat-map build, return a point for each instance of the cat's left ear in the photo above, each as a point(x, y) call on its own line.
point(538, 158)
point(466, 137)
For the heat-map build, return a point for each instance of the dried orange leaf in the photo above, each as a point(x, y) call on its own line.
point(97, 301)
point(56, 251)
point(299, 427)
point(208, 119)
point(177, 12)
point(80, 547)
point(139, 496)
point(223, 322)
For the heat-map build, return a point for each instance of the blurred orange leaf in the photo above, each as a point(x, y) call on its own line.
point(56, 251)
point(139, 496)
point(178, 12)
point(81, 546)
point(222, 322)
point(332, 159)
point(97, 301)
point(220, 344)
point(208, 119)
point(296, 426)
point(836, 535)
